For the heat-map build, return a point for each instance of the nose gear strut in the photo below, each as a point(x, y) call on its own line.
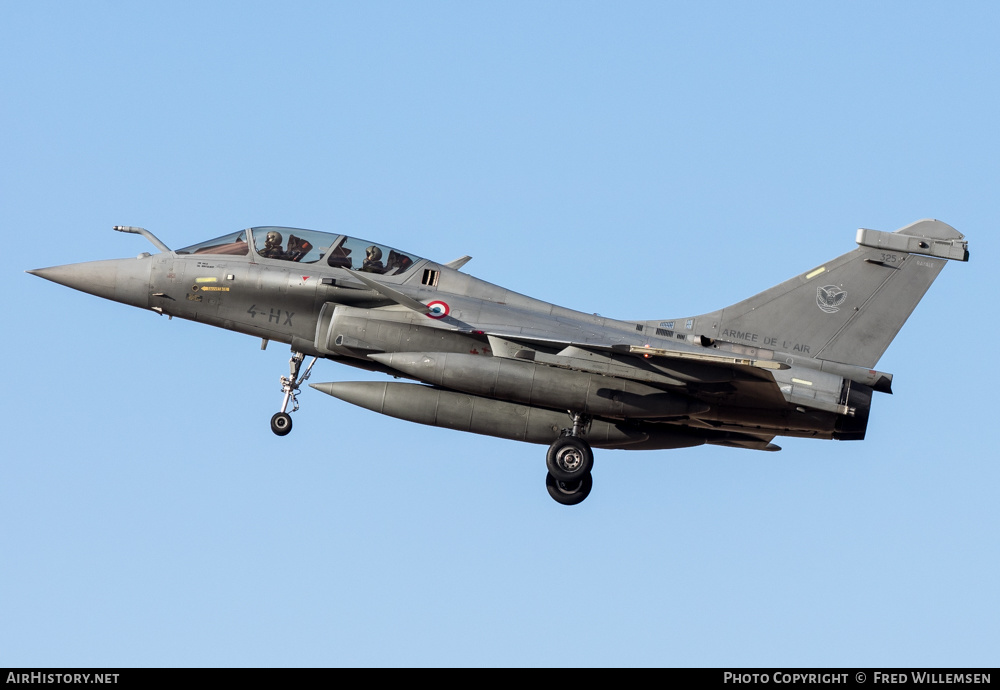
point(281, 422)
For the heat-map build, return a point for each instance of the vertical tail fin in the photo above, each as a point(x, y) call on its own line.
point(849, 309)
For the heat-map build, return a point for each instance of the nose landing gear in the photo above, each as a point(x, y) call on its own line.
point(281, 422)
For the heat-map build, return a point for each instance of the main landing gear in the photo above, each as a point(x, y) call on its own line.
point(569, 461)
point(281, 422)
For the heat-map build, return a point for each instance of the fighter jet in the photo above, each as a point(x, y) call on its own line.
point(795, 360)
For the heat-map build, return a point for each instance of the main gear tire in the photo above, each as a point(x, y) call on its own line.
point(569, 493)
point(569, 458)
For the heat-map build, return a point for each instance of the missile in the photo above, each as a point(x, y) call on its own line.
point(537, 385)
point(462, 412)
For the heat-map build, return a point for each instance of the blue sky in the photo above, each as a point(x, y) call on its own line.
point(642, 161)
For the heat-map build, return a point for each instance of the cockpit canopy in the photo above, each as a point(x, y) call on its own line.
point(309, 247)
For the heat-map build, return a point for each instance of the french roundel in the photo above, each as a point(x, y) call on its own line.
point(438, 309)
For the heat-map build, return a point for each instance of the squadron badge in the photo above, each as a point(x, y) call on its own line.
point(829, 298)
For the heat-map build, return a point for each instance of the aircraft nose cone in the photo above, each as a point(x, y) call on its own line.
point(94, 277)
point(121, 280)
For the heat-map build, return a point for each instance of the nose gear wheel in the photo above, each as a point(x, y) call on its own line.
point(281, 423)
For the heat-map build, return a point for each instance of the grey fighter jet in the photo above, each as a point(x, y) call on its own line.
point(795, 360)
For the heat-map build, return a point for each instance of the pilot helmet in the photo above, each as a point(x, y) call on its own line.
point(273, 239)
point(373, 253)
